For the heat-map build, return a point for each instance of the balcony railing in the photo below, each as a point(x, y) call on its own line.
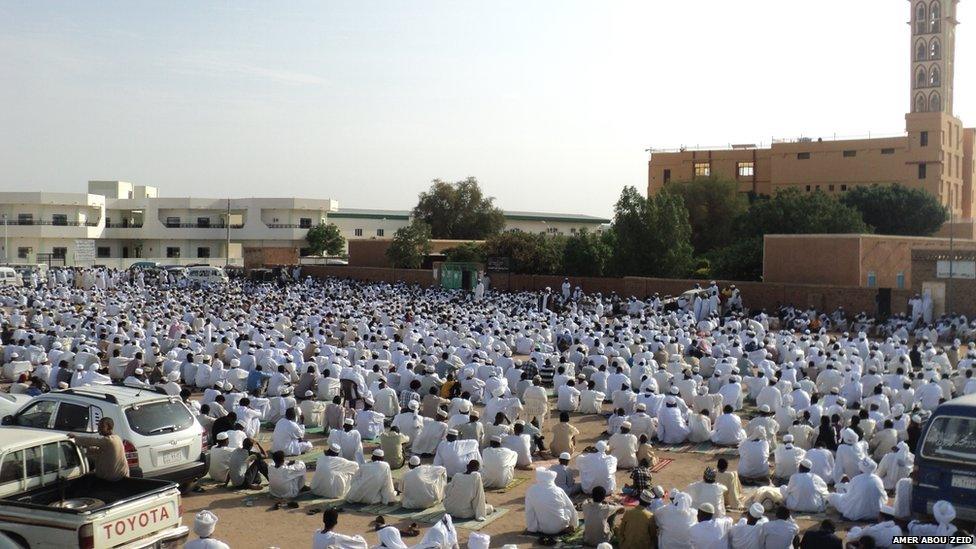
point(287, 226)
point(202, 225)
point(48, 222)
point(123, 225)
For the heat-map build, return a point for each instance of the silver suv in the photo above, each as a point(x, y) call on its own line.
point(162, 438)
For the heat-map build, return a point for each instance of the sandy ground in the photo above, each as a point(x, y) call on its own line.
point(260, 527)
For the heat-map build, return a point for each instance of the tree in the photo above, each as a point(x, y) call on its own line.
point(652, 236)
point(713, 205)
point(528, 253)
point(586, 254)
point(893, 209)
point(790, 211)
point(466, 252)
point(325, 238)
point(459, 211)
point(409, 246)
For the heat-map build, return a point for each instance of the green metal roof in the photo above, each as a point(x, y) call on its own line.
point(359, 213)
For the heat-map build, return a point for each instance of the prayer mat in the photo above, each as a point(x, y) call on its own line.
point(434, 514)
point(391, 510)
point(515, 482)
point(626, 500)
point(572, 540)
point(661, 464)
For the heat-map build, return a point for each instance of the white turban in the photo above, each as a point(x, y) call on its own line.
point(944, 512)
point(204, 524)
point(867, 465)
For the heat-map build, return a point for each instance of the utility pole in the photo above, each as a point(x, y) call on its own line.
point(6, 257)
point(952, 260)
point(227, 244)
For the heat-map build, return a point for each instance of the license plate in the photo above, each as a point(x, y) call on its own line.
point(171, 458)
point(964, 481)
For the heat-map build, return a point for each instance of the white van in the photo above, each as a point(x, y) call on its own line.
point(206, 275)
point(10, 277)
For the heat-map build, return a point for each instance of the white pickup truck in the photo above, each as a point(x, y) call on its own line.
point(47, 499)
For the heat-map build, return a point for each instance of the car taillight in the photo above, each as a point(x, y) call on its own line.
point(86, 537)
point(131, 455)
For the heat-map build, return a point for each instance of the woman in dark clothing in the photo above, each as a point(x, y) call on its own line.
point(827, 435)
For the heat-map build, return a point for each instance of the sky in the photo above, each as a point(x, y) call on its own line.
point(551, 104)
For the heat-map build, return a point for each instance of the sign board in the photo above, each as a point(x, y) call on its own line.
point(84, 250)
point(960, 269)
point(497, 264)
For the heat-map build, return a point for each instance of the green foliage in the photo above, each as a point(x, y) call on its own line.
point(459, 211)
point(713, 205)
point(789, 211)
point(325, 239)
point(652, 236)
point(586, 254)
point(409, 246)
point(466, 252)
point(893, 209)
point(528, 253)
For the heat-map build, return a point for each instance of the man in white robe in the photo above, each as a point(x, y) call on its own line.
point(671, 425)
point(711, 531)
point(286, 479)
point(597, 469)
point(708, 491)
point(369, 423)
point(728, 429)
point(499, 464)
point(422, 485)
point(806, 492)
point(431, 434)
point(289, 436)
point(372, 483)
point(548, 510)
point(409, 421)
point(674, 522)
point(623, 446)
point(786, 459)
point(385, 400)
point(464, 497)
point(896, 465)
point(865, 494)
point(333, 474)
point(754, 456)
point(454, 454)
point(521, 444)
point(348, 440)
point(745, 533)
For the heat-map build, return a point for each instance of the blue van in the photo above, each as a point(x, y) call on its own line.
point(945, 460)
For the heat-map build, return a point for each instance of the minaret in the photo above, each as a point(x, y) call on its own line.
point(933, 55)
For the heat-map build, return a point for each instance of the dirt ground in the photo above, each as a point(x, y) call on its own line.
point(260, 527)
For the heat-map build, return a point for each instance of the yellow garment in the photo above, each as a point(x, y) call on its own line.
point(637, 529)
point(733, 494)
point(562, 439)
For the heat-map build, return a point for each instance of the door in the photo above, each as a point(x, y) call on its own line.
point(466, 279)
point(884, 302)
point(936, 292)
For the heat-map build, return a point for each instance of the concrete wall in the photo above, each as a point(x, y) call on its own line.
point(756, 295)
point(260, 257)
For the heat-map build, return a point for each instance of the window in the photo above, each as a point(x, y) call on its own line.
point(172, 252)
point(948, 438)
point(157, 418)
point(900, 280)
point(920, 18)
point(552, 230)
point(703, 169)
point(25, 219)
point(921, 52)
point(305, 223)
point(803, 156)
point(203, 222)
point(808, 188)
point(572, 230)
point(203, 251)
point(923, 139)
point(872, 279)
point(921, 170)
point(935, 77)
point(33, 461)
point(887, 151)
point(843, 187)
point(920, 103)
point(850, 154)
point(103, 251)
point(830, 188)
point(59, 219)
point(935, 50)
point(72, 417)
point(357, 232)
point(379, 232)
point(304, 252)
point(667, 176)
point(172, 222)
point(37, 416)
point(935, 15)
point(921, 78)
point(935, 102)
point(12, 468)
point(59, 252)
point(24, 253)
point(746, 169)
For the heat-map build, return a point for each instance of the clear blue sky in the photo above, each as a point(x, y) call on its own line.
point(549, 103)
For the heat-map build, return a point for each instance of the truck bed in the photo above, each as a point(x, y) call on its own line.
point(112, 493)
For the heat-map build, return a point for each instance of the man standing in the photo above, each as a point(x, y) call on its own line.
point(107, 451)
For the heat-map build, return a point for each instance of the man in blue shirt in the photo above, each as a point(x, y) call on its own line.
point(256, 379)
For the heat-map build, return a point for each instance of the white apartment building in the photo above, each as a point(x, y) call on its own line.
point(131, 223)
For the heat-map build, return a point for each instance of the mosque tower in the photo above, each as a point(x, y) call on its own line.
point(933, 53)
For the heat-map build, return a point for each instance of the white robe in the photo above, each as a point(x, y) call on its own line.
point(728, 430)
point(548, 510)
point(423, 486)
point(498, 467)
point(333, 475)
point(286, 437)
point(623, 446)
point(674, 522)
point(372, 483)
point(429, 437)
point(464, 497)
point(754, 458)
point(597, 469)
point(805, 493)
point(454, 456)
point(671, 426)
point(286, 481)
point(863, 500)
point(349, 442)
point(409, 423)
